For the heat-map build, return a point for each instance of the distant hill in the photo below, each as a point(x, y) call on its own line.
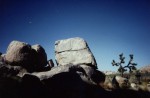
point(145, 69)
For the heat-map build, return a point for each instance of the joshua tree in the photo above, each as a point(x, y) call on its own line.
point(122, 69)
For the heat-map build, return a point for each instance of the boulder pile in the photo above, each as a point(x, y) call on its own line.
point(26, 73)
point(33, 58)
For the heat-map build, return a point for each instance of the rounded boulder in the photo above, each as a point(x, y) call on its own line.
point(20, 54)
point(41, 57)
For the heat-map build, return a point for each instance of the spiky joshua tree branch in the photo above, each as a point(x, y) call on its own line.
point(122, 69)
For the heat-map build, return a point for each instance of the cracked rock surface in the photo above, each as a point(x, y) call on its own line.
point(74, 51)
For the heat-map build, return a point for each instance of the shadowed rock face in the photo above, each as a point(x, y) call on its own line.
point(0, 53)
point(67, 83)
point(41, 57)
point(86, 73)
point(63, 85)
point(74, 51)
point(98, 77)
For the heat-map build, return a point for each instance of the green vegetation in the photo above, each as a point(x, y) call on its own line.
point(122, 69)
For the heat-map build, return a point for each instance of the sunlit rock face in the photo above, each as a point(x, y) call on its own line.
point(19, 54)
point(74, 51)
point(119, 81)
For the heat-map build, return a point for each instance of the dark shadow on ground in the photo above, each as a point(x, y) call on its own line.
point(63, 85)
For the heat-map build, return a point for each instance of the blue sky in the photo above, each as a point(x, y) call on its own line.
point(110, 27)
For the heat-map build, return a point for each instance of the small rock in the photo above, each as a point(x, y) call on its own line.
point(119, 81)
point(50, 63)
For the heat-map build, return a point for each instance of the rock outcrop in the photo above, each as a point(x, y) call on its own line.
point(87, 74)
point(22, 54)
point(22, 75)
point(8, 70)
point(74, 51)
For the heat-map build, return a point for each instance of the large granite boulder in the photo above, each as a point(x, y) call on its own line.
point(19, 54)
point(22, 54)
point(41, 56)
point(74, 51)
